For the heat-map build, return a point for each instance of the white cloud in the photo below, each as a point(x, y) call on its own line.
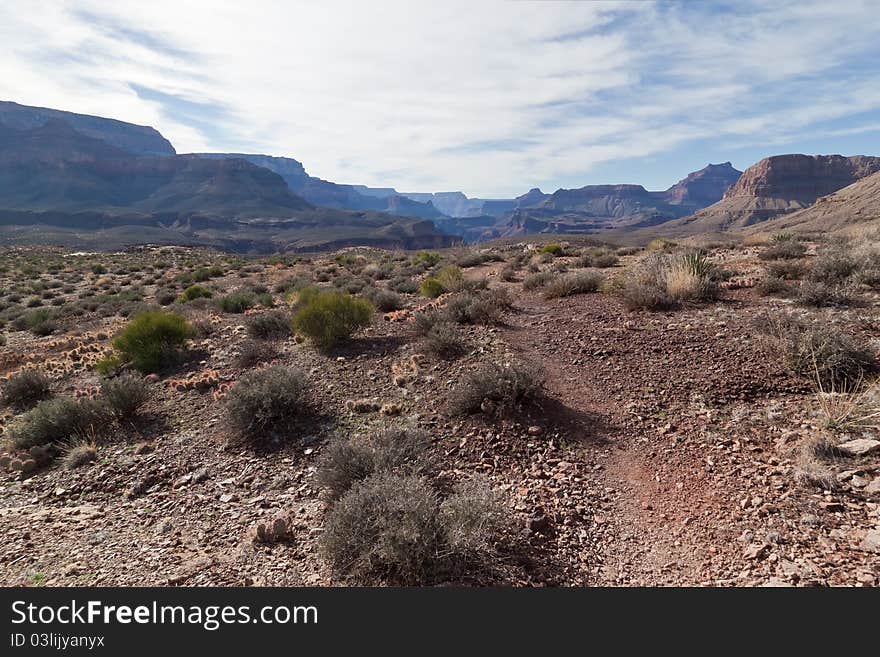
point(485, 97)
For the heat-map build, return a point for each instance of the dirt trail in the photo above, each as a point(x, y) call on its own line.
point(666, 521)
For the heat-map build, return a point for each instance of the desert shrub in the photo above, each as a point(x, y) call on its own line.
point(268, 400)
point(789, 270)
point(661, 244)
point(272, 325)
point(385, 527)
point(201, 275)
point(404, 285)
point(553, 249)
point(450, 278)
point(254, 352)
point(819, 294)
point(300, 297)
point(152, 340)
point(788, 249)
point(24, 389)
point(605, 260)
point(79, 454)
point(508, 274)
point(485, 307)
point(644, 284)
point(331, 317)
point(495, 388)
point(424, 322)
point(195, 292)
point(770, 286)
point(471, 517)
point(109, 365)
point(442, 340)
point(429, 258)
point(384, 300)
point(39, 322)
point(125, 395)
point(54, 421)
point(395, 528)
point(343, 463)
point(471, 259)
point(237, 302)
point(832, 268)
point(347, 461)
point(165, 298)
point(266, 300)
point(539, 279)
point(290, 284)
point(821, 351)
point(571, 284)
point(691, 276)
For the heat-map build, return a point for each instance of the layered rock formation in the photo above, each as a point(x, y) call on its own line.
point(326, 194)
point(137, 139)
point(854, 205)
point(704, 187)
point(775, 186)
point(60, 185)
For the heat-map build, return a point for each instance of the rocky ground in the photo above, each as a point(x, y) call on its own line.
point(665, 449)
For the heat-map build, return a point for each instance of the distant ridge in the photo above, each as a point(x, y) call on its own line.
point(137, 139)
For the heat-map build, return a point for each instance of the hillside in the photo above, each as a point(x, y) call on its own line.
point(326, 194)
point(775, 186)
point(615, 209)
point(61, 186)
point(854, 205)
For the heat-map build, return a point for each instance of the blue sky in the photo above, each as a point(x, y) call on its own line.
point(489, 98)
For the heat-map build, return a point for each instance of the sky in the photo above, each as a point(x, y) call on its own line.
point(484, 97)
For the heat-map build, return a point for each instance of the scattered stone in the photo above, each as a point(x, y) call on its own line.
point(871, 542)
point(859, 447)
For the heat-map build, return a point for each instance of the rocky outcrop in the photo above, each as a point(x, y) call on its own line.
point(801, 178)
point(704, 187)
point(776, 186)
point(854, 205)
point(137, 139)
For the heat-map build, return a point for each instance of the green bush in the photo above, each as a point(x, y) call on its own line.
point(451, 278)
point(431, 288)
point(195, 292)
point(237, 302)
point(267, 400)
point(429, 258)
point(152, 340)
point(553, 249)
point(331, 317)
